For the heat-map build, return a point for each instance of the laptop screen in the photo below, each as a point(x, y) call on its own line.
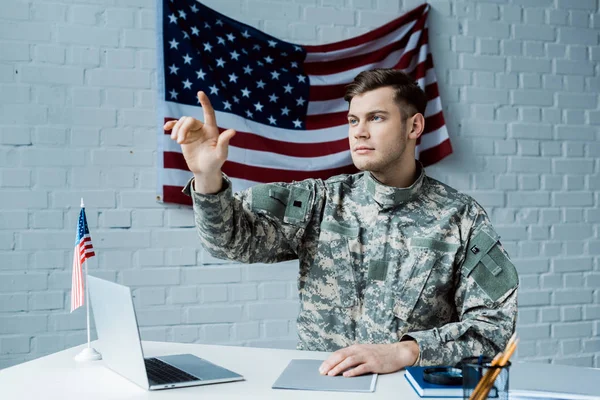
point(116, 325)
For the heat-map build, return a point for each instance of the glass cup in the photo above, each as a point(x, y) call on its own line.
point(475, 369)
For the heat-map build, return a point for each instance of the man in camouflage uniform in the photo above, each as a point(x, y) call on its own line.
point(396, 268)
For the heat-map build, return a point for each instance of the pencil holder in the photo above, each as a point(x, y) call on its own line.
point(482, 381)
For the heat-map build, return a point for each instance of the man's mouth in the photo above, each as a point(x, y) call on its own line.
point(363, 149)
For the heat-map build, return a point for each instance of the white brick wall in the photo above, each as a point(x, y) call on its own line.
point(519, 81)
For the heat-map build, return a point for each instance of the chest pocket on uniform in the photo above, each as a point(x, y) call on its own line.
point(331, 280)
point(410, 282)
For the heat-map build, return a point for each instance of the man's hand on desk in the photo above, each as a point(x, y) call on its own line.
point(371, 358)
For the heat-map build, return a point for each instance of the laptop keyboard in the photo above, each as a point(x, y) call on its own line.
point(161, 372)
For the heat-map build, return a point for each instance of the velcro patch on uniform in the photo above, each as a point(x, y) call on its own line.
point(298, 205)
point(481, 243)
point(270, 198)
point(279, 193)
point(433, 244)
point(495, 273)
point(491, 265)
point(349, 231)
point(378, 270)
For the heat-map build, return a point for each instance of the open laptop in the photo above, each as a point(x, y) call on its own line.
point(116, 325)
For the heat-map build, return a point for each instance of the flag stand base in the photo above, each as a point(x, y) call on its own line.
point(88, 354)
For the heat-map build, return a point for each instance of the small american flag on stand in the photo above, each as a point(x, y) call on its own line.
point(284, 100)
point(83, 251)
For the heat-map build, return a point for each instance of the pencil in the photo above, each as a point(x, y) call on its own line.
point(495, 361)
point(494, 373)
point(486, 383)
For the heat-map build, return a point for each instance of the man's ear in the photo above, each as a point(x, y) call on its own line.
point(416, 126)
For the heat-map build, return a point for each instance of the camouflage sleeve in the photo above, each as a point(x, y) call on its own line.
point(262, 224)
point(486, 285)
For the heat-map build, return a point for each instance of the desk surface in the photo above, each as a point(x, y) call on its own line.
point(59, 375)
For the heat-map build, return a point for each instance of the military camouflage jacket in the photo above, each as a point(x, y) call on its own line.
point(378, 264)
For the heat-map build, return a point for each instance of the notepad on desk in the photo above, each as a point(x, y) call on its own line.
point(304, 375)
point(414, 376)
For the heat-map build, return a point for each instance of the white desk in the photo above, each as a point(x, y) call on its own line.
point(59, 376)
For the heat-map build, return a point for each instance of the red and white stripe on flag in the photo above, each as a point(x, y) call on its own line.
point(261, 153)
point(83, 250)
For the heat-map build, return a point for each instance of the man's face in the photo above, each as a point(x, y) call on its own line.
point(377, 131)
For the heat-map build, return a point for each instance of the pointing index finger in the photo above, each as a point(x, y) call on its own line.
point(209, 112)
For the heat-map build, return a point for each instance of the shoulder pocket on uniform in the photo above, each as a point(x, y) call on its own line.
point(297, 207)
point(270, 198)
point(291, 206)
point(488, 265)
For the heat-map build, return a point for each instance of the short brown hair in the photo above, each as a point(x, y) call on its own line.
point(407, 90)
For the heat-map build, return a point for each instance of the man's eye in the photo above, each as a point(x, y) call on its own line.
point(376, 118)
point(352, 121)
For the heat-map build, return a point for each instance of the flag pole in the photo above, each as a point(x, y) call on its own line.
point(87, 297)
point(89, 353)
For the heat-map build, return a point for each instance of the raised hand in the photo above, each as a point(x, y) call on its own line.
point(204, 149)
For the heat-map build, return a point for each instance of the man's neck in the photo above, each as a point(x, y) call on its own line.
point(402, 176)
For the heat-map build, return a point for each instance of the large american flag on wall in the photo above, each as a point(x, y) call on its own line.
point(284, 100)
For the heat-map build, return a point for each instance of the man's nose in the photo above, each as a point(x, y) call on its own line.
point(360, 131)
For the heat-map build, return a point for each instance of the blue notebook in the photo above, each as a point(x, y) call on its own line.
point(414, 376)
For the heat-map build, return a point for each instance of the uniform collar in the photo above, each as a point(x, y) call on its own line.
point(391, 196)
